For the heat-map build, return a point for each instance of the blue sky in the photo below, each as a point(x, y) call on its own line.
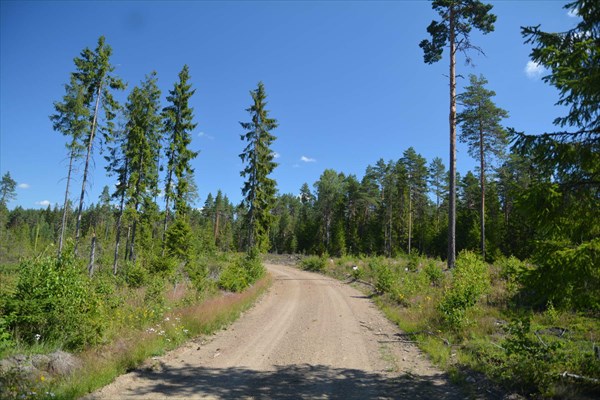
point(345, 80)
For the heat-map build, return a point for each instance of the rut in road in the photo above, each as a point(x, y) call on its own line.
point(309, 337)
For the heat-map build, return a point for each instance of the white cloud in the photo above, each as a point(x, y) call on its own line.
point(573, 13)
point(23, 186)
point(205, 135)
point(307, 159)
point(44, 203)
point(276, 154)
point(533, 70)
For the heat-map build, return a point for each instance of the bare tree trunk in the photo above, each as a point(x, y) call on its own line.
point(63, 225)
point(409, 219)
point(127, 243)
point(85, 170)
point(118, 239)
point(92, 255)
point(482, 179)
point(452, 120)
point(167, 198)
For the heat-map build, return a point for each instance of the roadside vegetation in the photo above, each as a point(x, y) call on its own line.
point(481, 318)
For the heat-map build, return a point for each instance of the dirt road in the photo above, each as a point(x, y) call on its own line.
point(309, 337)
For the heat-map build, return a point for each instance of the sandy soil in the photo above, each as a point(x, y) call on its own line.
point(309, 337)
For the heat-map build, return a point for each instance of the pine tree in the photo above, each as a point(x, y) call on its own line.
point(482, 132)
point(178, 117)
point(416, 176)
point(7, 189)
point(259, 189)
point(438, 181)
point(458, 19)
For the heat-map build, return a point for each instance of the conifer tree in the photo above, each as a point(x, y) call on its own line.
point(7, 189)
point(482, 132)
point(94, 73)
point(438, 181)
point(177, 120)
point(142, 150)
point(458, 17)
point(259, 189)
point(72, 120)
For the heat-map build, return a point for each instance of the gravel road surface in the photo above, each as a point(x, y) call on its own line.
point(309, 337)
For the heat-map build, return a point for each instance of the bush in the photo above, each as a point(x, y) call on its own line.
point(241, 273)
point(164, 266)
point(470, 280)
point(135, 275)
point(55, 301)
point(314, 264)
point(384, 277)
point(434, 273)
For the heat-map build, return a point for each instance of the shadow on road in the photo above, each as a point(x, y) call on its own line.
point(290, 382)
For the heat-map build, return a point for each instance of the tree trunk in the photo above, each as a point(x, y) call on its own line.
point(167, 198)
point(409, 219)
point(86, 168)
point(118, 239)
point(482, 179)
point(63, 225)
point(452, 120)
point(92, 255)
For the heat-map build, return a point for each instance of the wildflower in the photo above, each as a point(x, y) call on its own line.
point(167, 319)
point(185, 331)
point(37, 337)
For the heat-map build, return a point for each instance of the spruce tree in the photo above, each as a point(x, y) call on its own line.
point(142, 150)
point(481, 131)
point(178, 124)
point(458, 17)
point(259, 189)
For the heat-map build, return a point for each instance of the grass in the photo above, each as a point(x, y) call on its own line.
point(103, 364)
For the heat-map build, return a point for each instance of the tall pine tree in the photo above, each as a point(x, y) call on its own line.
point(481, 131)
point(458, 17)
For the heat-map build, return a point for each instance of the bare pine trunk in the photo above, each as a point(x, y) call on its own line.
point(118, 239)
point(452, 118)
point(482, 179)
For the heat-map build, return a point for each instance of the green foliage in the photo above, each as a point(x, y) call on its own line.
point(384, 276)
point(534, 361)
point(6, 340)
point(7, 189)
point(568, 277)
point(55, 302)
point(470, 280)
point(179, 240)
point(259, 190)
point(314, 263)
point(135, 274)
point(434, 273)
point(164, 266)
point(241, 273)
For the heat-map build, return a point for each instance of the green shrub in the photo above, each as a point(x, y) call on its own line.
point(384, 277)
point(164, 266)
point(470, 280)
point(434, 273)
point(135, 274)
point(55, 301)
point(241, 273)
point(314, 264)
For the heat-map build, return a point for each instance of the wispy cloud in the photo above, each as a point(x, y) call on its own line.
point(573, 13)
point(205, 135)
point(276, 154)
point(44, 203)
point(23, 186)
point(533, 70)
point(307, 159)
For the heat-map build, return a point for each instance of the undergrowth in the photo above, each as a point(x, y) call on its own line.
point(481, 318)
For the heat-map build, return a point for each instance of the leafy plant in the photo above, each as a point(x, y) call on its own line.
point(314, 264)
